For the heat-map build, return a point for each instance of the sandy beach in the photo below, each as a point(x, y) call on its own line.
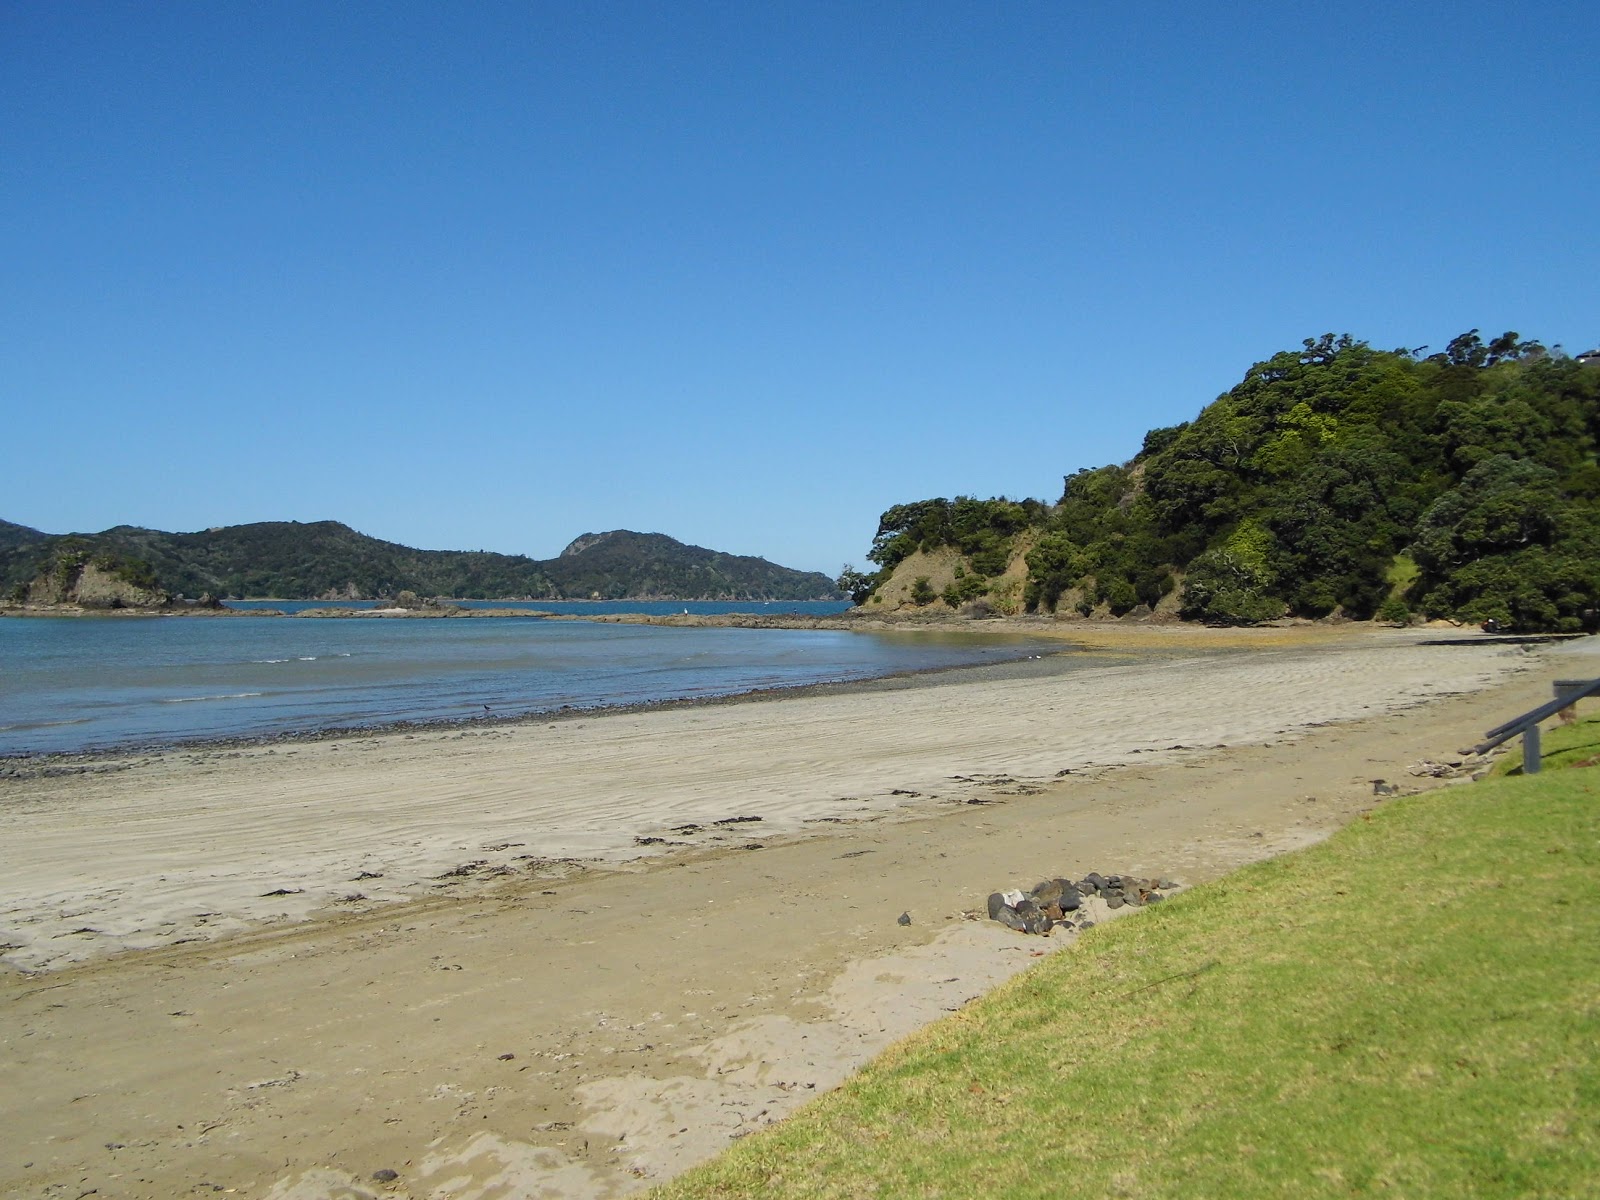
point(569, 958)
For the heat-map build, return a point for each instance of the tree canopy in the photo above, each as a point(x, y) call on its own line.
point(1335, 478)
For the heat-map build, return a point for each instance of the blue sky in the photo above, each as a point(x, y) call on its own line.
point(479, 275)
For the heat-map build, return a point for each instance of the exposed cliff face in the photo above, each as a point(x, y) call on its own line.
point(581, 543)
point(75, 580)
point(943, 580)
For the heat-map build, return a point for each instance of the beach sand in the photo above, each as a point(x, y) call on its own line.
point(280, 969)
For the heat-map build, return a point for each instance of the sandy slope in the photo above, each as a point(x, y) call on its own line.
point(570, 1030)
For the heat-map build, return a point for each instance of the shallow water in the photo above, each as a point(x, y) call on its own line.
point(70, 684)
point(580, 608)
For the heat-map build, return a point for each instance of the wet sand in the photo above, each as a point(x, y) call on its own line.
point(519, 998)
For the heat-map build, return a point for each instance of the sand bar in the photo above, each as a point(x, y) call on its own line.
point(651, 1007)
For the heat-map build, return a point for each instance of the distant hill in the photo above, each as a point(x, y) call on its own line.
point(652, 564)
point(327, 560)
point(12, 536)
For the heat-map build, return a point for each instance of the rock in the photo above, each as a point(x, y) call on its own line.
point(1008, 917)
point(903, 919)
point(1053, 901)
point(1046, 893)
point(386, 1175)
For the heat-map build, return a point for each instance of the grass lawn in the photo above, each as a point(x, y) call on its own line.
point(1409, 1009)
point(1574, 745)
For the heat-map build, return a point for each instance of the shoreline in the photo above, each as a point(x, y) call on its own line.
point(449, 608)
point(1153, 641)
point(22, 763)
point(585, 1036)
point(231, 836)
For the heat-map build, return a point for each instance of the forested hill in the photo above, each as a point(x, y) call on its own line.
point(653, 564)
point(1333, 479)
point(13, 536)
point(324, 560)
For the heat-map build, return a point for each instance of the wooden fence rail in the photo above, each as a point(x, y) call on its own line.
point(1568, 692)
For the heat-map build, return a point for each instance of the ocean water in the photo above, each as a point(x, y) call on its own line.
point(579, 608)
point(71, 684)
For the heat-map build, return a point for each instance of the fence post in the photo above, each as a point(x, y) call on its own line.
point(1530, 750)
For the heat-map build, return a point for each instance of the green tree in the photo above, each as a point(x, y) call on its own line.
point(857, 585)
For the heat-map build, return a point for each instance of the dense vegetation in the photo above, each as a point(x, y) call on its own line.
point(62, 577)
point(289, 560)
point(1333, 479)
point(13, 536)
point(624, 564)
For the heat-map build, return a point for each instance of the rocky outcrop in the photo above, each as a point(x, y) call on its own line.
point(100, 587)
point(582, 542)
point(77, 577)
point(943, 580)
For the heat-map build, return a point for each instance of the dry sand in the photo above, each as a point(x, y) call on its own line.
point(489, 1020)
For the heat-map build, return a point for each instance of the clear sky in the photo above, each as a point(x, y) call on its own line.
point(492, 275)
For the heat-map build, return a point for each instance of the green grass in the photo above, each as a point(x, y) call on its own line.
point(1410, 1009)
point(1560, 746)
point(1401, 574)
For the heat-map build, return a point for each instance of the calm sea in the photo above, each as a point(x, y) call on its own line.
point(69, 684)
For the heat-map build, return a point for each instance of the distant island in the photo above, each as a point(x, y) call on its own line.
point(127, 567)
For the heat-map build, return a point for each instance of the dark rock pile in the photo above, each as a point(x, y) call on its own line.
point(1063, 902)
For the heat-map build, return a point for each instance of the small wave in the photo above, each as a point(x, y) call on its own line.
point(299, 658)
point(43, 724)
point(192, 699)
